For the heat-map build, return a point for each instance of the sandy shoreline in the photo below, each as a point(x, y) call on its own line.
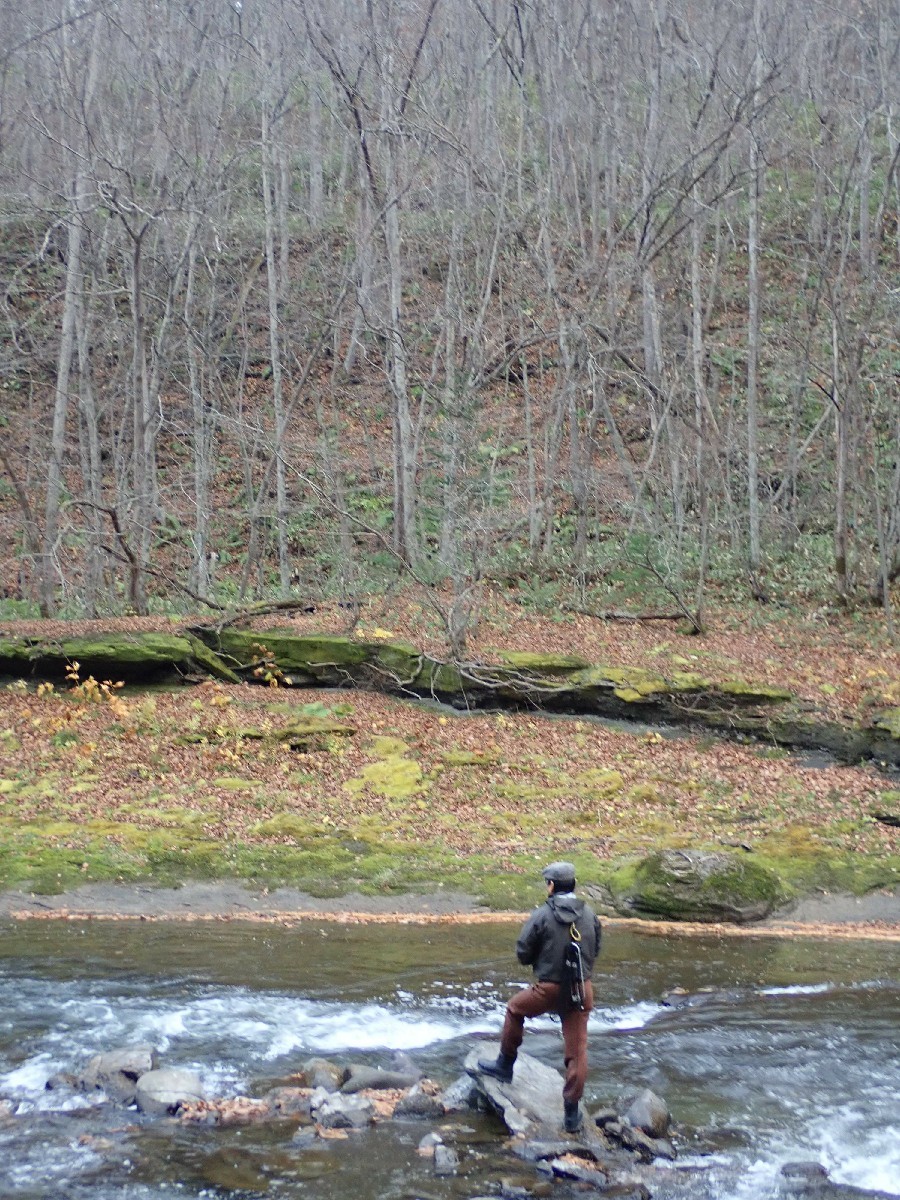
point(874, 916)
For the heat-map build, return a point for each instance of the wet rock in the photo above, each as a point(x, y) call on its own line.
point(429, 1142)
point(421, 1103)
point(334, 1111)
point(362, 1078)
point(304, 1138)
point(62, 1079)
point(570, 1168)
point(810, 1181)
point(536, 1151)
point(161, 1092)
point(446, 1160)
point(462, 1094)
point(7, 1110)
point(644, 1110)
point(320, 1073)
point(117, 1072)
point(288, 1101)
point(533, 1098)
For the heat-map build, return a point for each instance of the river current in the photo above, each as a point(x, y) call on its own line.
point(795, 1057)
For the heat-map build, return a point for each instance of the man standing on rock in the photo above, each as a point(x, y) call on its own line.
point(560, 940)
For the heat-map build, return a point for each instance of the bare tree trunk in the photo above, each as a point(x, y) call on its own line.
point(67, 347)
point(269, 158)
point(753, 300)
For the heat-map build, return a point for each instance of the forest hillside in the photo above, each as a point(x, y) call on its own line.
point(590, 302)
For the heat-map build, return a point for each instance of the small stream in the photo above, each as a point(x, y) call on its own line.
point(797, 1058)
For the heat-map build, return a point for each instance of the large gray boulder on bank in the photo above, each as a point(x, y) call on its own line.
point(160, 1093)
point(533, 1099)
point(117, 1072)
point(697, 885)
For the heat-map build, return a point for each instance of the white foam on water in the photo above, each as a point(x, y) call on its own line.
point(798, 989)
point(633, 1016)
point(858, 1149)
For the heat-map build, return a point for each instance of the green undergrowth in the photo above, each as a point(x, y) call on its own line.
point(54, 856)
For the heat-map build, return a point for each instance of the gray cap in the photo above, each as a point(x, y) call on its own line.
point(559, 872)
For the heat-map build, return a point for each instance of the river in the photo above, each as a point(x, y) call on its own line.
point(798, 1058)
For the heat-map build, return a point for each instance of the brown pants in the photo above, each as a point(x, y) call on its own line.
point(543, 998)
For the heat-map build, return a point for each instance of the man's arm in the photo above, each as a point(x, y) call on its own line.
point(529, 940)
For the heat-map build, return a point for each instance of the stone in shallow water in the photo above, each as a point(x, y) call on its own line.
point(446, 1160)
point(534, 1098)
point(116, 1072)
point(161, 1092)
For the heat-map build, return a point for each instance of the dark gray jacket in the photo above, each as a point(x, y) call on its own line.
point(545, 936)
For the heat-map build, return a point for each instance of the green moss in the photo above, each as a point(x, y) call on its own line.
point(112, 656)
point(291, 825)
point(401, 661)
point(534, 663)
point(888, 719)
point(753, 693)
point(442, 678)
point(469, 758)
point(388, 747)
point(601, 782)
point(305, 655)
point(694, 886)
point(210, 662)
point(395, 778)
point(643, 793)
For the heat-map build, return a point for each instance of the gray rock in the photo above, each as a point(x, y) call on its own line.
point(535, 1151)
point(62, 1079)
point(644, 1110)
point(810, 1181)
point(304, 1138)
point(419, 1104)
point(700, 885)
point(343, 1112)
point(164, 1091)
point(117, 1072)
point(462, 1094)
point(583, 1173)
point(429, 1141)
point(320, 1073)
point(446, 1160)
point(288, 1101)
point(532, 1099)
point(360, 1078)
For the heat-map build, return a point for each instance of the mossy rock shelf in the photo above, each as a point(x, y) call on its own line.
point(555, 683)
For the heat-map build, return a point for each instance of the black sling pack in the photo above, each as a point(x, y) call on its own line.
point(573, 969)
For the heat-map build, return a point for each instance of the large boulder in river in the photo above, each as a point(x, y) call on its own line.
point(697, 885)
point(533, 1099)
point(159, 1093)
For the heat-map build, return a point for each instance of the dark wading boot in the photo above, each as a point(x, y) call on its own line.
point(574, 1122)
point(501, 1068)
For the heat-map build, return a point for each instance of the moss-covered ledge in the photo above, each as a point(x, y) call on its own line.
point(133, 657)
point(554, 682)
